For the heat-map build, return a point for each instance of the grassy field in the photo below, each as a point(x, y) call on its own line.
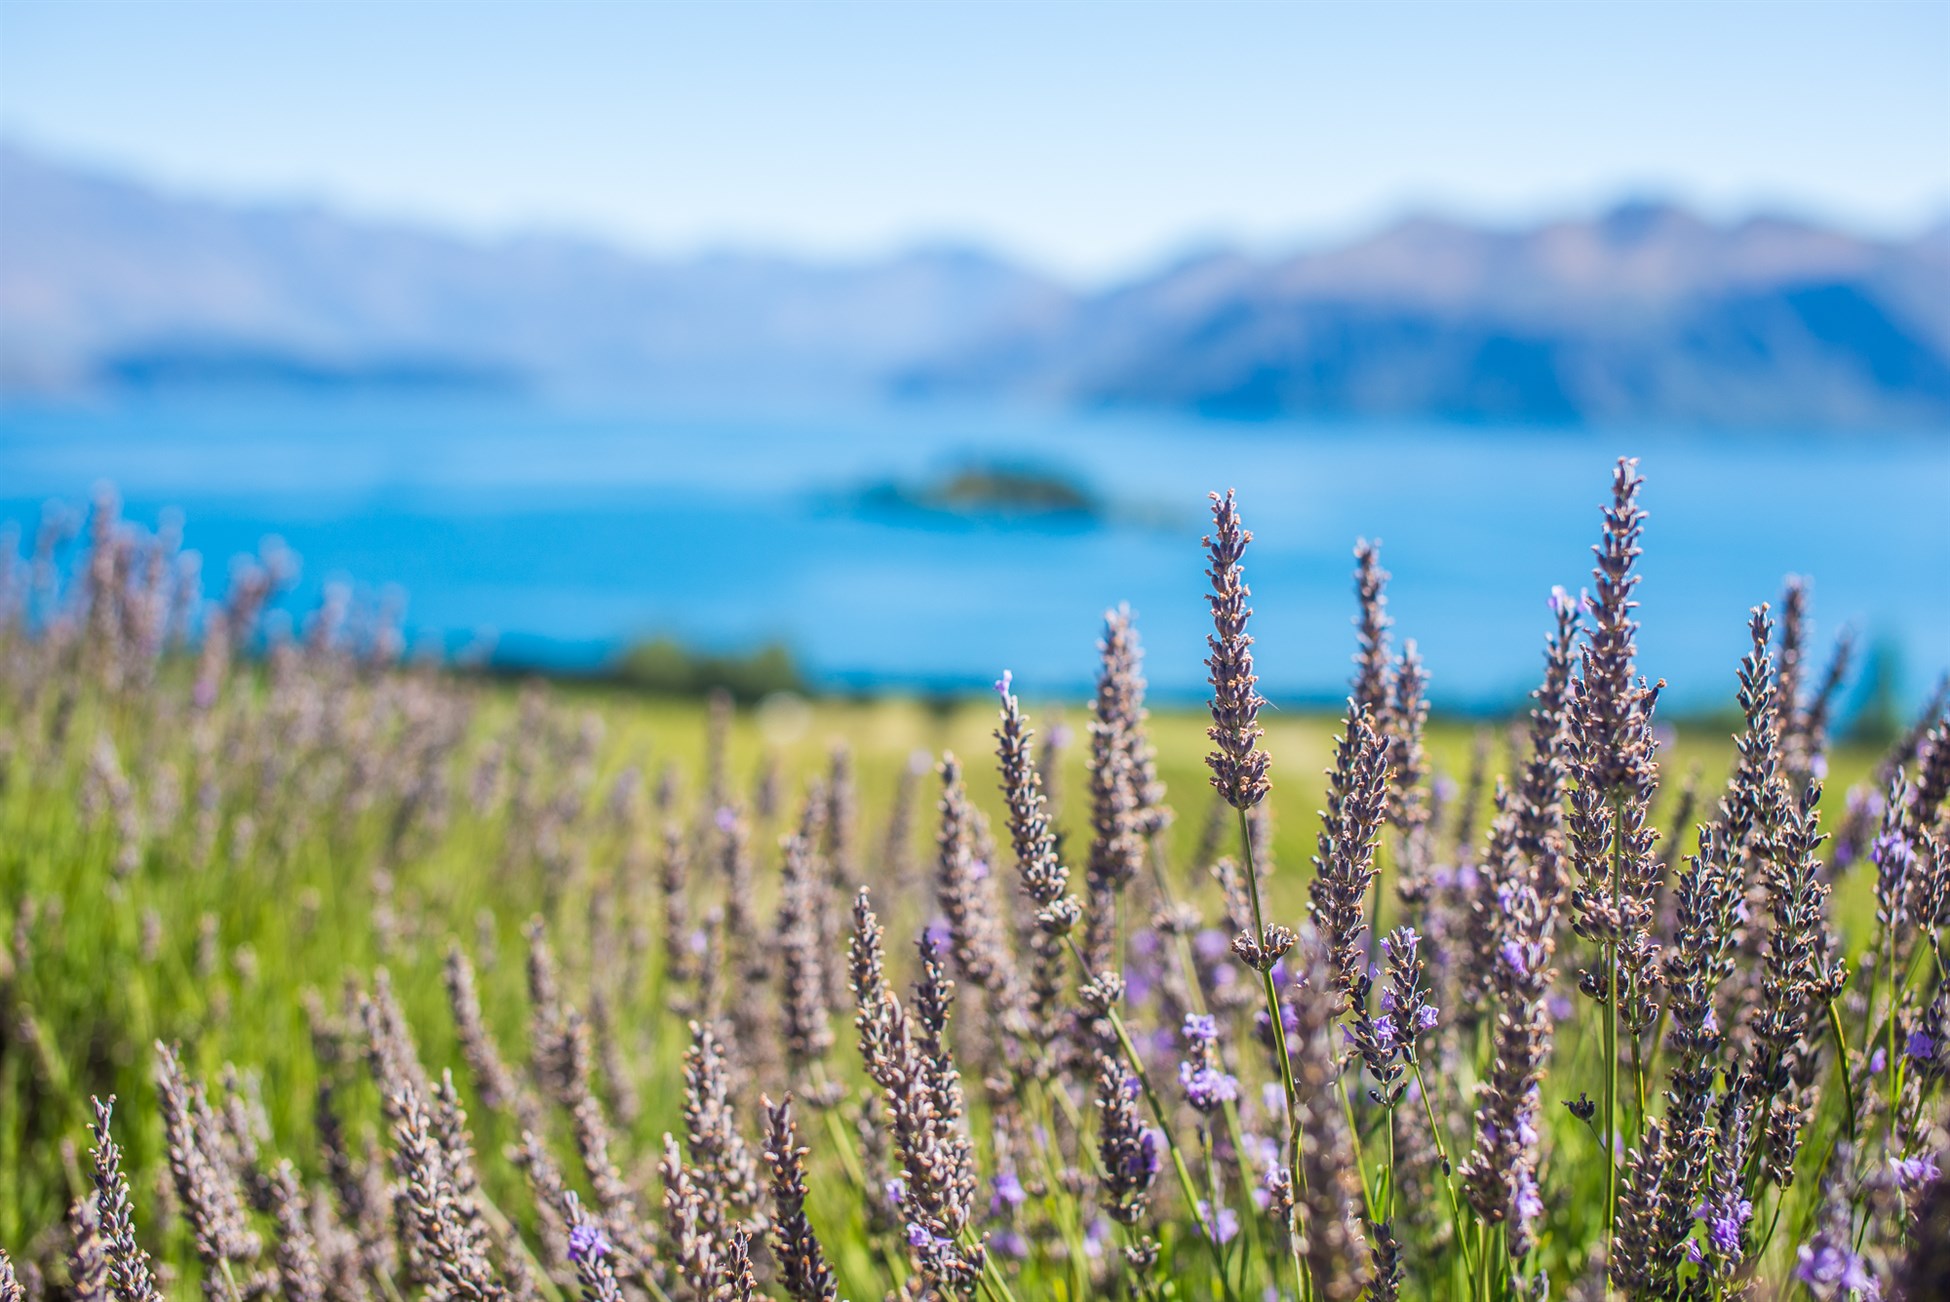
point(271, 862)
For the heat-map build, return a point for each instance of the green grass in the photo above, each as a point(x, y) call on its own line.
point(101, 966)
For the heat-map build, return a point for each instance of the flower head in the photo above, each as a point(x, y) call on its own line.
point(1238, 764)
point(1726, 1218)
point(1892, 850)
point(1207, 1087)
point(1913, 1172)
point(587, 1242)
point(1831, 1268)
point(1526, 1200)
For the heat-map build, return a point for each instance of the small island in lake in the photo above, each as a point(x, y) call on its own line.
point(991, 491)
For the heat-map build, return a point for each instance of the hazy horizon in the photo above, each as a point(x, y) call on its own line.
point(1295, 242)
point(1059, 138)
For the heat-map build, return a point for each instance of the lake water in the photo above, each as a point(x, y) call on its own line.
point(567, 534)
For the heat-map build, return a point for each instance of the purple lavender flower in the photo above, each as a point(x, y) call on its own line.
point(1384, 1033)
point(1224, 1226)
point(587, 1242)
point(1919, 1046)
point(1201, 1028)
point(1831, 1270)
point(1402, 943)
point(1913, 1172)
point(1893, 851)
point(1527, 1200)
point(1206, 1087)
point(1238, 764)
point(1726, 1220)
point(1008, 1192)
point(1128, 1150)
point(1878, 1061)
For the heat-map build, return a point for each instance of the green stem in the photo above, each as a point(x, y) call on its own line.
point(1296, 1171)
point(1354, 1141)
point(1611, 1093)
point(837, 1128)
point(1448, 1177)
point(997, 1286)
point(1638, 1077)
point(1388, 1124)
point(1213, 1190)
point(1893, 1066)
point(1841, 1055)
point(1611, 1035)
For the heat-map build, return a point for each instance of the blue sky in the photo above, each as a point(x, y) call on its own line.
point(1090, 137)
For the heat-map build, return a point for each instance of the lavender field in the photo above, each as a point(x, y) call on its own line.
point(331, 973)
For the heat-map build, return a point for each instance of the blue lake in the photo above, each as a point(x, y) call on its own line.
point(566, 534)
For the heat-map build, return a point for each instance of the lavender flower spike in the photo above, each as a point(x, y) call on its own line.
point(1208, 1086)
point(1131, 1153)
point(802, 1262)
point(1238, 765)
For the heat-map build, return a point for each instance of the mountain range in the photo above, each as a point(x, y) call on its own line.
point(1645, 313)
